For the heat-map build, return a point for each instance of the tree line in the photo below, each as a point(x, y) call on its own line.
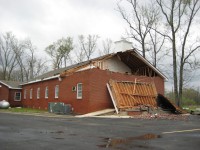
point(190, 97)
point(19, 60)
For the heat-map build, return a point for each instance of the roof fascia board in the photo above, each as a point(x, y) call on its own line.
point(40, 80)
point(5, 84)
point(15, 88)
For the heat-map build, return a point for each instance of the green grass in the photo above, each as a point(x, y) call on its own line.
point(191, 107)
point(25, 110)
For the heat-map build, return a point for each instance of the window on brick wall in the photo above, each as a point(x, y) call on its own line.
point(17, 96)
point(79, 91)
point(56, 91)
point(46, 92)
point(31, 93)
point(25, 94)
point(38, 93)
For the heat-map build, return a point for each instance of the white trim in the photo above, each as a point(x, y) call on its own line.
point(31, 93)
point(38, 93)
point(112, 98)
point(39, 80)
point(25, 93)
point(89, 66)
point(56, 91)
point(19, 98)
point(77, 91)
point(46, 93)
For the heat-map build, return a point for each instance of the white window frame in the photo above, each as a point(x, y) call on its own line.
point(25, 92)
point(46, 92)
point(56, 91)
point(79, 94)
point(38, 93)
point(31, 93)
point(19, 96)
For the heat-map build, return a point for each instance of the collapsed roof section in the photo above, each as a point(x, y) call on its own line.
point(127, 95)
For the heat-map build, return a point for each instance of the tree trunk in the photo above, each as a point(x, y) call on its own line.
point(180, 84)
point(175, 68)
point(143, 48)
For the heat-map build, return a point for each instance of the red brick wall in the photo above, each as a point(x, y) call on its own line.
point(8, 95)
point(95, 93)
point(42, 102)
point(99, 96)
point(66, 94)
point(4, 92)
point(12, 101)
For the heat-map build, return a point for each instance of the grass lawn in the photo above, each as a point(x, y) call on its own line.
point(191, 107)
point(29, 110)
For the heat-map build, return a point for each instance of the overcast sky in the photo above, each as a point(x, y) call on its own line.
point(45, 21)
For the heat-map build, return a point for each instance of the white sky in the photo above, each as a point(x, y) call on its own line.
point(45, 21)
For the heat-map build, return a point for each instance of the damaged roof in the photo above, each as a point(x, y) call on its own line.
point(138, 64)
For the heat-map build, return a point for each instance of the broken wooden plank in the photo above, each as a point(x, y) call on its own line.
point(113, 100)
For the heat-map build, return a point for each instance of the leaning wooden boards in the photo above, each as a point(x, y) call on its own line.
point(127, 95)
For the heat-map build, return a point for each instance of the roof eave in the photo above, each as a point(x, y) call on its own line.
point(10, 87)
point(40, 80)
point(15, 88)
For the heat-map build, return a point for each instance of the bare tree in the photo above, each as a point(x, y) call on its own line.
point(7, 57)
point(107, 47)
point(19, 52)
point(18, 60)
point(31, 59)
point(59, 51)
point(179, 16)
point(140, 20)
point(88, 45)
point(80, 55)
point(156, 45)
point(29, 64)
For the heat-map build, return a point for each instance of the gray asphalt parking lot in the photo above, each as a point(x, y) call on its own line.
point(22, 132)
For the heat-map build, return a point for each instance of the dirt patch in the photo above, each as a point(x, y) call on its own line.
point(114, 142)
